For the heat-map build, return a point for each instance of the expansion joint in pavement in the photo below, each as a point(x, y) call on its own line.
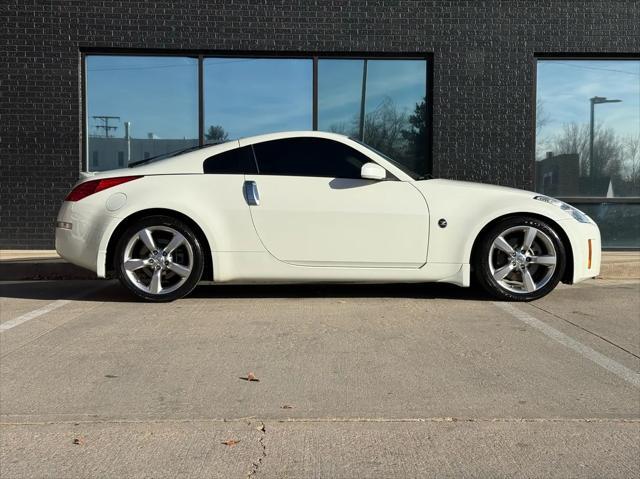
point(586, 330)
point(263, 422)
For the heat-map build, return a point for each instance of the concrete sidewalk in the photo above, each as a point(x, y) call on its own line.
point(19, 265)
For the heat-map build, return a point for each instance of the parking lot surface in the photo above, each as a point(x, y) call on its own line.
point(353, 381)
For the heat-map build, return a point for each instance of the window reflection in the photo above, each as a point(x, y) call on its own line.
point(138, 107)
point(588, 128)
point(339, 95)
point(381, 102)
point(249, 96)
point(619, 223)
point(588, 140)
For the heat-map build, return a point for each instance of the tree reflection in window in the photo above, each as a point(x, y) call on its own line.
point(569, 162)
point(393, 117)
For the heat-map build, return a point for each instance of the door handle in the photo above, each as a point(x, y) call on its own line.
point(251, 193)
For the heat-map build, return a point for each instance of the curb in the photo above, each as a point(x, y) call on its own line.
point(620, 270)
point(43, 269)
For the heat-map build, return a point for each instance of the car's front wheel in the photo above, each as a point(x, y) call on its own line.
point(520, 259)
point(159, 258)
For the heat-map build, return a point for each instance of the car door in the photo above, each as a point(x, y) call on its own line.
point(311, 207)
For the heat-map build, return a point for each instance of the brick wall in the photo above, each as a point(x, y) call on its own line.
point(483, 73)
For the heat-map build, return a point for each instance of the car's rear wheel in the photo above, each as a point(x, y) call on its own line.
point(520, 259)
point(159, 258)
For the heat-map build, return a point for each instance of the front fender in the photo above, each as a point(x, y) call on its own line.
point(467, 208)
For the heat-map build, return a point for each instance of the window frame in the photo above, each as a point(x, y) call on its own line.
point(201, 55)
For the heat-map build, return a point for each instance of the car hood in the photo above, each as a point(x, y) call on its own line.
point(472, 188)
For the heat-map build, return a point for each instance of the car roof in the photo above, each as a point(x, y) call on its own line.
point(251, 140)
point(190, 162)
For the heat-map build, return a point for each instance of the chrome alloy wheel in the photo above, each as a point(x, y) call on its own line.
point(158, 259)
point(522, 259)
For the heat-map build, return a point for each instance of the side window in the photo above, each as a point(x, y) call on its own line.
point(309, 157)
point(238, 161)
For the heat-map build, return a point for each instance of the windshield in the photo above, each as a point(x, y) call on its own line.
point(400, 166)
point(169, 154)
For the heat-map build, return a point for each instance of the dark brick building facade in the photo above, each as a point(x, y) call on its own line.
point(482, 71)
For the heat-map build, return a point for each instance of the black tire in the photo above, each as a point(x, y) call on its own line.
point(180, 268)
point(523, 269)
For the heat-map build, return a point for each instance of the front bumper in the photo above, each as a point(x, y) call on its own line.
point(587, 249)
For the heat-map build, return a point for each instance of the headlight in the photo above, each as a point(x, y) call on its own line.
point(575, 212)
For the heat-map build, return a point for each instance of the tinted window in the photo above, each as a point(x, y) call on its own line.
point(236, 161)
point(309, 157)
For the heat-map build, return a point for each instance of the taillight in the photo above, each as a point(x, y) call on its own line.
point(90, 187)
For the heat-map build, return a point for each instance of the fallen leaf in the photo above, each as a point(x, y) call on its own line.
point(251, 377)
point(79, 441)
point(286, 406)
point(231, 442)
point(261, 428)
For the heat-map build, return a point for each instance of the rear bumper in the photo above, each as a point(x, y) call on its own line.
point(80, 245)
point(587, 249)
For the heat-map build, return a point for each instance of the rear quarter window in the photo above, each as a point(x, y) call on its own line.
point(239, 161)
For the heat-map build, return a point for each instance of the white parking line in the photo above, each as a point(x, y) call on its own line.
point(12, 323)
point(600, 359)
point(33, 314)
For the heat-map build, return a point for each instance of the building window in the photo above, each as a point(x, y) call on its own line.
point(140, 103)
point(250, 96)
point(150, 105)
point(588, 141)
point(380, 102)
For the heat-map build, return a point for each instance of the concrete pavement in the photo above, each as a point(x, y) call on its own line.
point(355, 381)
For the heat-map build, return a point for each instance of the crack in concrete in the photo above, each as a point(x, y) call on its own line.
point(256, 465)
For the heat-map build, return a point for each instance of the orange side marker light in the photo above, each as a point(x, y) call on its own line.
point(590, 252)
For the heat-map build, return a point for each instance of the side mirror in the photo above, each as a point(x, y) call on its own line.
point(373, 171)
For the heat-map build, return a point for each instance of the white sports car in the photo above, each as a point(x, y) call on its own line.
point(312, 206)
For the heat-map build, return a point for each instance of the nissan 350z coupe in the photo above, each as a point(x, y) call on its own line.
point(312, 206)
